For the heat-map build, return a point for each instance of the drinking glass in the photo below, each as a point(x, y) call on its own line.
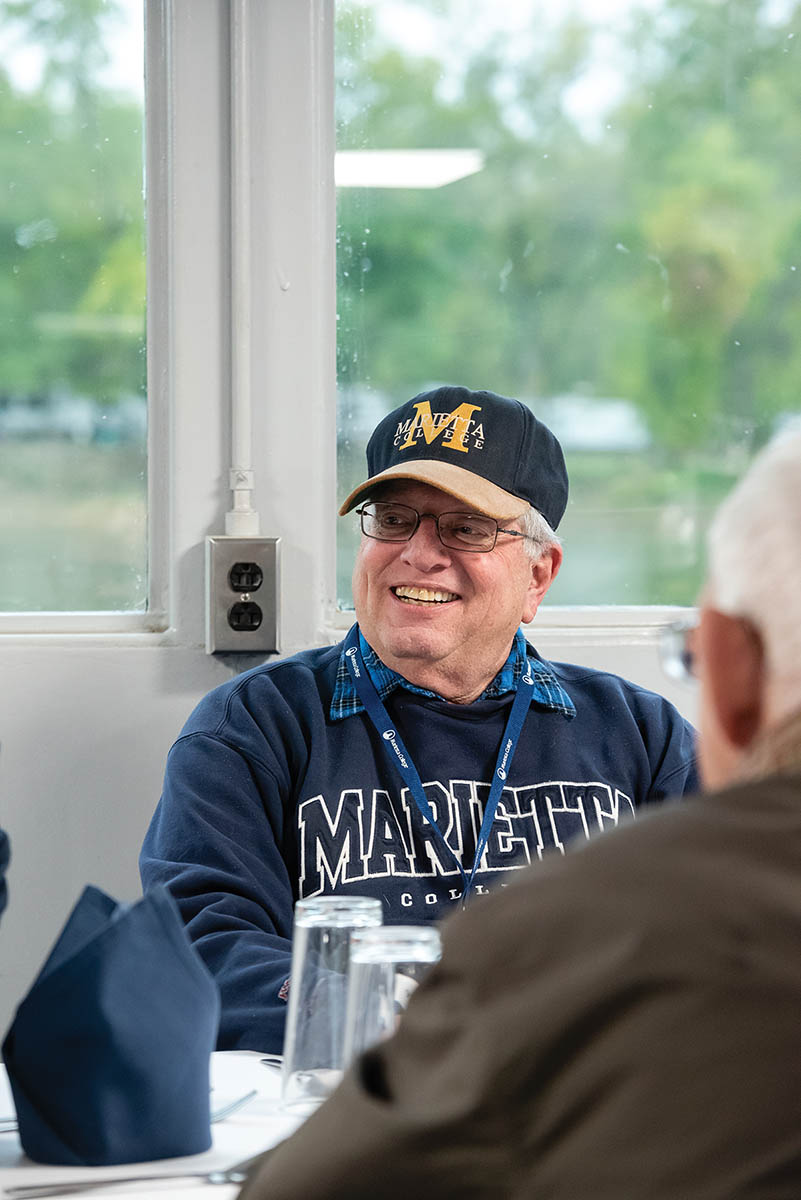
point(315, 1027)
point(386, 965)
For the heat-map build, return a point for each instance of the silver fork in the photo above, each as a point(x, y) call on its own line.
point(9, 1124)
point(237, 1173)
point(219, 1114)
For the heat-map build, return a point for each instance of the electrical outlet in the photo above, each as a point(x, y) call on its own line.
point(241, 594)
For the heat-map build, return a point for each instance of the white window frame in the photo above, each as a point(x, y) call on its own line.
point(287, 234)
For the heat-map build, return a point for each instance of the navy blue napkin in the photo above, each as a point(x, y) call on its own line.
point(108, 1054)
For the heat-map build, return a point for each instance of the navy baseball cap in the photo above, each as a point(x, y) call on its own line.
point(486, 450)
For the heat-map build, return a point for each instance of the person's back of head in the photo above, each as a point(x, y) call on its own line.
point(751, 620)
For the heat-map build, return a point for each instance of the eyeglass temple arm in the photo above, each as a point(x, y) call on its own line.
point(517, 533)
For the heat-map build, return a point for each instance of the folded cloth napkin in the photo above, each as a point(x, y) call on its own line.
point(108, 1054)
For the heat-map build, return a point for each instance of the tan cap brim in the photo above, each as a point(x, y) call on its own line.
point(478, 493)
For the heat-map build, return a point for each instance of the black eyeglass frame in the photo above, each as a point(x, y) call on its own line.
point(677, 652)
point(436, 519)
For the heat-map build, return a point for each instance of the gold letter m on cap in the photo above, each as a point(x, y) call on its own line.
point(457, 421)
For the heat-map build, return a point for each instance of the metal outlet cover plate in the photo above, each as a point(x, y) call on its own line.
point(223, 554)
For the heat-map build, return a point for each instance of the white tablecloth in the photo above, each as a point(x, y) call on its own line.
point(260, 1124)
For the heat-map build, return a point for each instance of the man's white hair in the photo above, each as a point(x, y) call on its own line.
point(538, 532)
point(754, 563)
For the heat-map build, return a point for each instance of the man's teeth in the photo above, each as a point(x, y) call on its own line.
point(416, 593)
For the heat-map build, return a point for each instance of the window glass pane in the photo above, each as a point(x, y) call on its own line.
point(621, 249)
point(72, 307)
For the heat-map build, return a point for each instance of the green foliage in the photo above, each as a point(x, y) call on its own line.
point(650, 259)
point(648, 249)
point(72, 217)
point(78, 542)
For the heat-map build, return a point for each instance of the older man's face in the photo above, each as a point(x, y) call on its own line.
point(443, 618)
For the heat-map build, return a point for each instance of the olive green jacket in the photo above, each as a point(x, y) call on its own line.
point(623, 1024)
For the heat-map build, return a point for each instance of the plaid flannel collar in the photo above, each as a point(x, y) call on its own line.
point(548, 692)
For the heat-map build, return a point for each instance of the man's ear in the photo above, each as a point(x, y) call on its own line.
point(734, 666)
point(543, 573)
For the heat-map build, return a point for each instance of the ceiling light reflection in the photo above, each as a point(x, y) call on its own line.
point(404, 168)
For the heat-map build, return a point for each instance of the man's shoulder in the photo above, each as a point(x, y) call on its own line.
point(306, 677)
point(593, 683)
point(594, 679)
point(317, 660)
point(699, 864)
point(567, 909)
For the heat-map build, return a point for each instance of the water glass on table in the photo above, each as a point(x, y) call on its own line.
point(313, 1043)
point(386, 965)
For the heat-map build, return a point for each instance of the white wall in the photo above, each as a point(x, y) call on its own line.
point(84, 737)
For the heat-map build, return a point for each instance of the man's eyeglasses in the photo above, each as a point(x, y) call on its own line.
point(677, 649)
point(473, 532)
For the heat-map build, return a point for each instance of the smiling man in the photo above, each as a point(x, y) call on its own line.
point(432, 755)
point(445, 619)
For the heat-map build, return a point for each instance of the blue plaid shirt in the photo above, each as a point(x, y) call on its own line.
point(547, 691)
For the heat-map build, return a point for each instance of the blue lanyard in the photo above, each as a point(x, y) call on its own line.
point(402, 761)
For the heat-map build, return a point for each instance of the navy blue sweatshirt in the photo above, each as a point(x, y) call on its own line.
point(268, 799)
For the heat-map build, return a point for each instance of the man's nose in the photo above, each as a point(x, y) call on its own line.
point(424, 548)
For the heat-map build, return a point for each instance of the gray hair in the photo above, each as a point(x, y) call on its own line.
point(539, 534)
point(754, 564)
